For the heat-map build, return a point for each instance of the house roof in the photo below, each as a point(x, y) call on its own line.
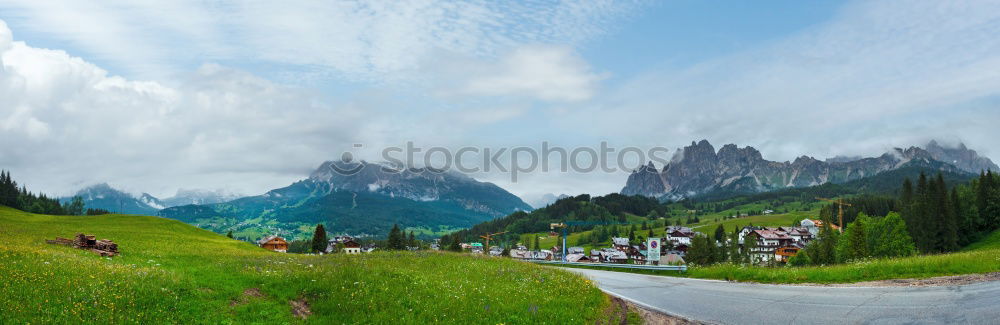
point(267, 239)
point(772, 234)
point(576, 257)
point(620, 241)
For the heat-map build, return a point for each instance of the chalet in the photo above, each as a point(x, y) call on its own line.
point(800, 234)
point(814, 225)
point(610, 255)
point(677, 235)
point(519, 253)
point(574, 250)
point(782, 254)
point(577, 258)
point(620, 243)
point(768, 241)
point(351, 247)
point(331, 245)
point(636, 254)
point(476, 248)
point(541, 255)
point(746, 231)
point(496, 251)
point(531, 255)
point(273, 243)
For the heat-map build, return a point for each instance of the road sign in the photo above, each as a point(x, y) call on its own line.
point(653, 253)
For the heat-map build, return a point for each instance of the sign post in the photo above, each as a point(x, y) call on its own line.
point(653, 251)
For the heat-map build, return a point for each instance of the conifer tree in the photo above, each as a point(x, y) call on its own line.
point(319, 241)
point(395, 240)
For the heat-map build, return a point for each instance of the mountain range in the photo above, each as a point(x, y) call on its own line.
point(103, 196)
point(368, 200)
point(699, 169)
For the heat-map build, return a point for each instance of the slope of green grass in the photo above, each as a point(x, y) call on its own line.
point(773, 220)
point(170, 272)
point(983, 257)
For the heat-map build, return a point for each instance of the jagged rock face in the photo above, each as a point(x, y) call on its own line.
point(698, 168)
point(419, 184)
point(643, 180)
point(962, 157)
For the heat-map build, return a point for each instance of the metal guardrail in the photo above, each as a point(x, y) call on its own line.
point(681, 268)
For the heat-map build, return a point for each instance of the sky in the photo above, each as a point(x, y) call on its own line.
point(248, 96)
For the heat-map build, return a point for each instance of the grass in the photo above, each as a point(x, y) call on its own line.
point(772, 220)
point(170, 272)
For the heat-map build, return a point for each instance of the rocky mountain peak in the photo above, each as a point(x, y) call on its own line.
point(698, 169)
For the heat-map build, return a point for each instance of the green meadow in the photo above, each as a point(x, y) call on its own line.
point(980, 257)
point(170, 272)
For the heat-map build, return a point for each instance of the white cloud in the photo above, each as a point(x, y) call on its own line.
point(360, 40)
point(65, 123)
point(547, 73)
point(879, 74)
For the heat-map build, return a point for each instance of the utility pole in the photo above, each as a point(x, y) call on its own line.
point(840, 210)
point(486, 248)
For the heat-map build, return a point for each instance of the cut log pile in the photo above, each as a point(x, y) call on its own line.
point(104, 247)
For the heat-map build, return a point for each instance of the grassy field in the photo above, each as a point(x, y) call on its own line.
point(784, 219)
point(982, 257)
point(170, 272)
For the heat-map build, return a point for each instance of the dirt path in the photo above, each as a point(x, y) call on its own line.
point(935, 281)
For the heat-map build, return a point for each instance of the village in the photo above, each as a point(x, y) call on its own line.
point(764, 245)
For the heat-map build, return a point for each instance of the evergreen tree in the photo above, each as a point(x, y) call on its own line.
point(947, 225)
point(230, 234)
point(319, 241)
point(720, 233)
point(536, 245)
point(395, 241)
point(75, 207)
point(853, 242)
point(411, 241)
point(456, 244)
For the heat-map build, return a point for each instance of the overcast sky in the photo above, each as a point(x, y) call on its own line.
point(249, 96)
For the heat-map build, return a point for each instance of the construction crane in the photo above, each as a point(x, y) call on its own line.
point(486, 248)
point(566, 224)
point(840, 210)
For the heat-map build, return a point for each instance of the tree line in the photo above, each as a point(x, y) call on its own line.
point(11, 195)
point(927, 217)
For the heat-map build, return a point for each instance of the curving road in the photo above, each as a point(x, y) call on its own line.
point(723, 302)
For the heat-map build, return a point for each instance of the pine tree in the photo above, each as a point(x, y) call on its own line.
point(720, 233)
point(319, 241)
point(395, 240)
point(947, 224)
point(411, 241)
point(230, 234)
point(456, 244)
point(920, 210)
point(536, 245)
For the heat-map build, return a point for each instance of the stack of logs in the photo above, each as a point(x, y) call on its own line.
point(104, 247)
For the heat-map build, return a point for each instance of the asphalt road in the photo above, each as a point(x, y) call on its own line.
point(723, 302)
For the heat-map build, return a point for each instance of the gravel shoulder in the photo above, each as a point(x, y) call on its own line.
point(935, 281)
